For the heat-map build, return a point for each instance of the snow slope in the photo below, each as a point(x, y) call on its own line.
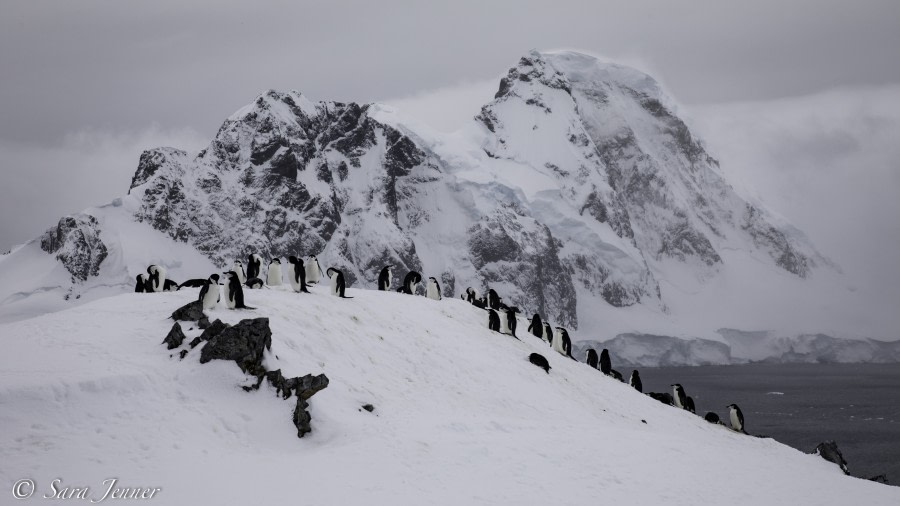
point(460, 415)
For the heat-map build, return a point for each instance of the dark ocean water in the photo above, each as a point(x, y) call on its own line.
point(802, 405)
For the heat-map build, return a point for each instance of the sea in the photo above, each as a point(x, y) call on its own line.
point(802, 405)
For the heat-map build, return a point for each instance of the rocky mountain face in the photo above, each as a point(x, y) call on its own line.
point(577, 180)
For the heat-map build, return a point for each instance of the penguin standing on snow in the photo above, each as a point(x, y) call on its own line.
point(433, 289)
point(559, 344)
point(737, 418)
point(234, 294)
point(471, 295)
point(238, 268)
point(156, 278)
point(385, 278)
point(209, 293)
point(410, 283)
point(678, 396)
point(493, 299)
point(605, 363)
point(254, 266)
point(312, 270)
point(337, 283)
point(590, 357)
point(536, 327)
point(689, 404)
point(493, 320)
point(548, 333)
point(635, 381)
point(142, 284)
point(273, 277)
point(511, 321)
point(297, 274)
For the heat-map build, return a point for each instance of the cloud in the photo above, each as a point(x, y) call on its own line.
point(448, 108)
point(42, 183)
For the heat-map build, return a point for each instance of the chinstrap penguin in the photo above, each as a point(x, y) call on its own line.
point(737, 418)
point(238, 268)
point(297, 274)
point(234, 293)
point(590, 357)
point(385, 278)
point(433, 289)
point(605, 362)
point(540, 361)
point(254, 266)
point(536, 327)
point(337, 282)
point(273, 276)
point(635, 381)
point(209, 293)
point(678, 396)
point(313, 271)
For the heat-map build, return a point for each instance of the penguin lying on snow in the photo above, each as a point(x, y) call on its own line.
point(662, 397)
point(297, 274)
point(234, 294)
point(385, 278)
point(337, 282)
point(254, 283)
point(540, 361)
point(193, 283)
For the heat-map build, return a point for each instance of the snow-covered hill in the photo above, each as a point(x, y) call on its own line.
point(577, 193)
point(460, 415)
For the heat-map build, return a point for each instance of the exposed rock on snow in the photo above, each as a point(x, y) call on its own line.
point(77, 245)
point(192, 311)
point(174, 338)
point(244, 343)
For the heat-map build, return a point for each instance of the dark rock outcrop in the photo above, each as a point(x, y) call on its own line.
point(192, 311)
point(244, 343)
point(76, 242)
point(212, 330)
point(174, 338)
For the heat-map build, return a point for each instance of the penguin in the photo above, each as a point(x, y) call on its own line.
point(536, 327)
point(433, 289)
point(297, 274)
point(254, 266)
point(193, 283)
point(590, 357)
point(480, 303)
point(567, 344)
point(511, 322)
point(663, 398)
point(493, 320)
point(385, 278)
point(157, 278)
point(711, 418)
point(737, 418)
point(254, 283)
point(689, 404)
point(548, 333)
point(471, 295)
point(635, 381)
point(210, 294)
point(273, 277)
point(493, 299)
point(337, 282)
point(313, 270)
point(605, 363)
point(234, 294)
point(170, 286)
point(141, 286)
point(540, 361)
point(678, 396)
point(504, 321)
point(561, 342)
point(410, 282)
point(617, 375)
point(238, 267)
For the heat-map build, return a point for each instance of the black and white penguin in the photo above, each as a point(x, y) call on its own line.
point(170, 286)
point(337, 283)
point(471, 295)
point(540, 361)
point(156, 279)
point(548, 333)
point(536, 327)
point(737, 418)
point(238, 268)
point(480, 303)
point(493, 320)
point(193, 283)
point(662, 397)
point(385, 278)
point(297, 274)
point(254, 283)
point(433, 289)
point(605, 363)
point(561, 342)
point(711, 417)
point(210, 293)
point(689, 404)
point(234, 293)
point(678, 396)
point(142, 285)
point(493, 299)
point(511, 321)
point(410, 283)
point(635, 381)
point(273, 276)
point(254, 266)
point(313, 271)
point(617, 375)
point(590, 357)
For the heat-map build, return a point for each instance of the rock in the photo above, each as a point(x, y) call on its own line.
point(368, 407)
point(76, 242)
point(174, 338)
point(881, 478)
point(191, 311)
point(203, 323)
point(830, 452)
point(212, 330)
point(244, 343)
point(183, 354)
point(302, 418)
point(195, 342)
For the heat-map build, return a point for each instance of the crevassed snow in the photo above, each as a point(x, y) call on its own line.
point(460, 416)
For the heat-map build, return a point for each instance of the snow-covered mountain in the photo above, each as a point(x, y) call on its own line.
point(576, 193)
point(458, 415)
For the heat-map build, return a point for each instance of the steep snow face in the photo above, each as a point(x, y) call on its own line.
point(576, 191)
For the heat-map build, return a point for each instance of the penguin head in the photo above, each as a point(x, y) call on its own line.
point(214, 278)
point(275, 260)
point(292, 259)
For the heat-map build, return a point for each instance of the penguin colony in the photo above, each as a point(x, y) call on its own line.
point(501, 318)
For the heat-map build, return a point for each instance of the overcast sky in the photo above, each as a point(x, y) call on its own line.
point(800, 100)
